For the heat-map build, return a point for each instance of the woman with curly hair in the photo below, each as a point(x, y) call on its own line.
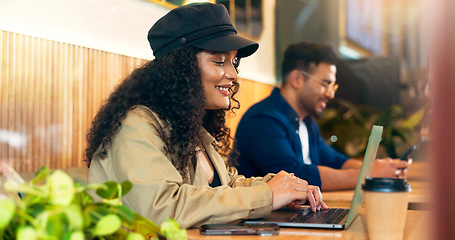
point(163, 128)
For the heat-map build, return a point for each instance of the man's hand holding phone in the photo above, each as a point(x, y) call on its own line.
point(393, 168)
point(406, 157)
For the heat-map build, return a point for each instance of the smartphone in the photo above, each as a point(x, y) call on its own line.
point(240, 229)
point(408, 153)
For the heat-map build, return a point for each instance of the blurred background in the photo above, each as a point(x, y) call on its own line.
point(61, 59)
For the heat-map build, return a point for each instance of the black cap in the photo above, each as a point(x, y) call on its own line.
point(386, 185)
point(203, 25)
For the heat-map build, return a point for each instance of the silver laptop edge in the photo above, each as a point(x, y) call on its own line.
point(357, 200)
point(365, 170)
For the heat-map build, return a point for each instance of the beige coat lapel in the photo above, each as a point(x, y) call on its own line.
point(217, 161)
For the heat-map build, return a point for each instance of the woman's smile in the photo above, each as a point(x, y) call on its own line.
point(224, 89)
point(218, 72)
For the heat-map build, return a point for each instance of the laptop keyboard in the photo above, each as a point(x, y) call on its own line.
point(332, 215)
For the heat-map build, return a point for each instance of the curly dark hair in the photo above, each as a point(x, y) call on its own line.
point(171, 86)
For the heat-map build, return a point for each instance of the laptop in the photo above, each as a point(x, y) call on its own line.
point(332, 218)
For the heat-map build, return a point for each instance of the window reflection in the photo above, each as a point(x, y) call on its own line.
point(246, 15)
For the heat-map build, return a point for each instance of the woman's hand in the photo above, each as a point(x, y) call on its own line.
point(315, 198)
point(290, 191)
point(287, 188)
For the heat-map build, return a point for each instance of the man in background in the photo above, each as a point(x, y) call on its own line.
point(279, 133)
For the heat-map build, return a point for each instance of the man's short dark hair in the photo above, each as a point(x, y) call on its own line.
point(302, 55)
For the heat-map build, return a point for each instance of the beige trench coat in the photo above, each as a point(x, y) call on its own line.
point(136, 154)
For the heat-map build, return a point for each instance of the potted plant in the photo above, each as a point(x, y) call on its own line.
point(52, 206)
point(346, 127)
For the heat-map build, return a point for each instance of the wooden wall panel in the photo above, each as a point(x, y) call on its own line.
point(50, 92)
point(250, 92)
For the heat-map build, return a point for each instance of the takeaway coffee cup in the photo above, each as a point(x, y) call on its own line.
point(386, 202)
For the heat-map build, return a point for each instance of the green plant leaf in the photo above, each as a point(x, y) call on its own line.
point(107, 225)
point(26, 233)
point(94, 186)
point(56, 208)
point(61, 188)
point(145, 226)
point(41, 175)
point(22, 188)
point(124, 213)
point(97, 210)
point(82, 198)
point(74, 216)
point(171, 230)
point(7, 209)
point(78, 235)
point(36, 209)
point(110, 190)
point(135, 236)
point(126, 187)
point(55, 222)
point(415, 119)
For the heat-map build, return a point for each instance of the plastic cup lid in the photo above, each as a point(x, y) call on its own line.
point(386, 185)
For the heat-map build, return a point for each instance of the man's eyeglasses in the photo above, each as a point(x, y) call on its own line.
point(328, 86)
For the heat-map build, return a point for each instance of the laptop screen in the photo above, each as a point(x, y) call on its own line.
point(365, 170)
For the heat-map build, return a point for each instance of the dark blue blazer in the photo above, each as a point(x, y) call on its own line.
point(268, 141)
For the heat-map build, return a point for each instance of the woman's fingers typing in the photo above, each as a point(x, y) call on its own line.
point(291, 191)
point(312, 201)
point(318, 203)
point(286, 189)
